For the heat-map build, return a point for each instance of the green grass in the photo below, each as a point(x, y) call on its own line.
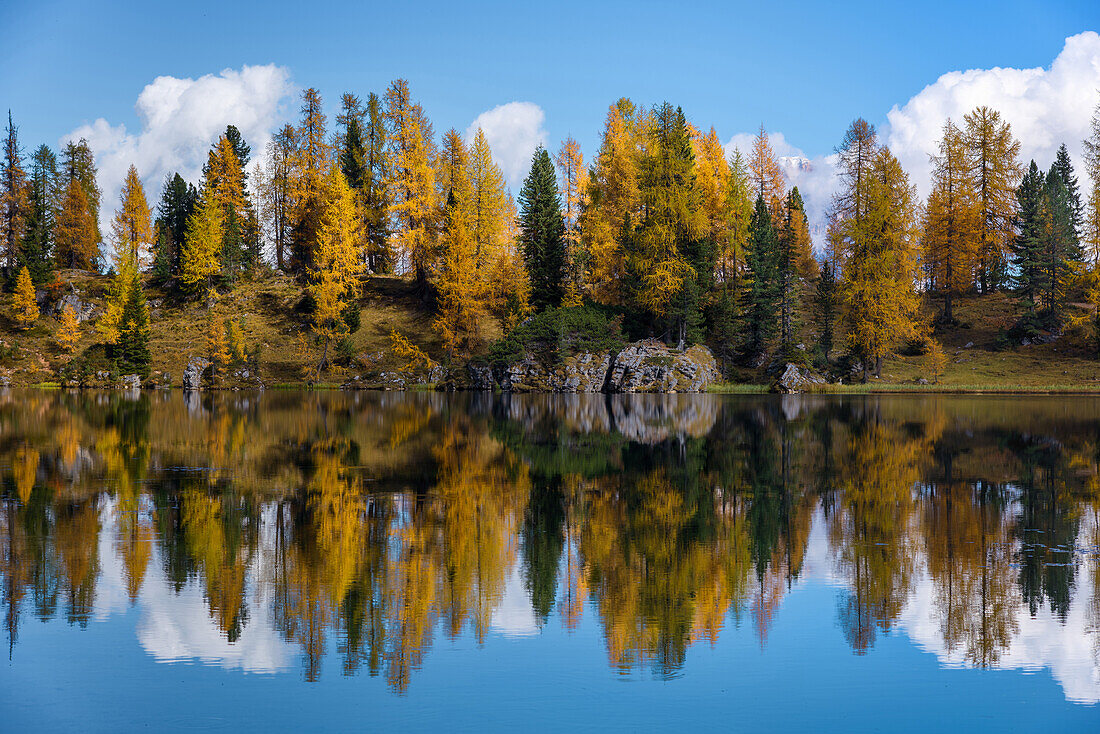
point(736, 388)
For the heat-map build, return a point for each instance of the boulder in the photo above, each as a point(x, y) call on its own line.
point(796, 379)
point(192, 374)
point(130, 382)
point(651, 366)
point(578, 373)
point(84, 310)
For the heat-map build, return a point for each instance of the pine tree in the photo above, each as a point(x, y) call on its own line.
point(77, 239)
point(1060, 250)
point(1064, 167)
point(794, 249)
point(1027, 246)
point(133, 329)
point(349, 143)
point(995, 171)
point(761, 309)
point(131, 229)
point(951, 221)
point(177, 203)
point(410, 180)
point(542, 231)
point(68, 333)
point(24, 305)
point(44, 203)
point(825, 312)
point(14, 207)
point(200, 259)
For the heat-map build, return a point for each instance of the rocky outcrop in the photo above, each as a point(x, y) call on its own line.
point(796, 379)
point(84, 310)
point(651, 366)
point(579, 373)
point(192, 374)
point(130, 382)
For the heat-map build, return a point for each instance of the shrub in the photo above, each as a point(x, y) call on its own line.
point(557, 333)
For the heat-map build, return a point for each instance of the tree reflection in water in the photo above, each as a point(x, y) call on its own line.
point(367, 524)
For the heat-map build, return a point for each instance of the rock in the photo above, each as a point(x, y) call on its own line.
point(83, 309)
point(578, 373)
point(651, 366)
point(192, 374)
point(1025, 342)
point(130, 382)
point(969, 345)
point(795, 380)
point(922, 381)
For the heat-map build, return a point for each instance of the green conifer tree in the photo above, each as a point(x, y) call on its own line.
point(762, 294)
point(542, 231)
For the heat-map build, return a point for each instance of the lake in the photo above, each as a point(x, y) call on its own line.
point(418, 561)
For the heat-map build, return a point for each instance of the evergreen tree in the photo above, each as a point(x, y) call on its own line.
point(307, 182)
point(177, 203)
point(1060, 248)
point(43, 204)
point(13, 202)
point(1064, 167)
point(761, 308)
point(372, 186)
point(825, 312)
point(794, 249)
point(133, 329)
point(1027, 248)
point(541, 232)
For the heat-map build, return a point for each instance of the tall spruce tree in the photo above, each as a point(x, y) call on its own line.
point(1027, 247)
point(1060, 248)
point(177, 204)
point(44, 201)
point(1064, 166)
point(761, 309)
point(542, 231)
point(825, 312)
point(133, 330)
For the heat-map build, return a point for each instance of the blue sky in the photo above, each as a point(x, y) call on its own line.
point(804, 69)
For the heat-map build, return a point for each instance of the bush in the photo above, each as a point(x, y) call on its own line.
point(558, 333)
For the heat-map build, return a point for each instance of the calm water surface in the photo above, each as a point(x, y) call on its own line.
point(426, 561)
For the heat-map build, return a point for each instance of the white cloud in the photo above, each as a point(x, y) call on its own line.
point(513, 130)
point(180, 119)
point(1046, 107)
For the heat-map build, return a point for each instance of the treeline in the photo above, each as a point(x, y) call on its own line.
point(662, 230)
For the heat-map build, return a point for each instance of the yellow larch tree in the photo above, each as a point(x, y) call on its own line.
point(731, 261)
point(712, 184)
point(488, 209)
point(132, 228)
point(76, 243)
point(309, 161)
point(613, 201)
point(951, 221)
point(462, 291)
point(878, 286)
point(410, 181)
point(68, 333)
point(767, 176)
point(574, 189)
point(995, 169)
point(453, 178)
point(507, 283)
point(200, 259)
point(334, 284)
point(24, 307)
point(217, 341)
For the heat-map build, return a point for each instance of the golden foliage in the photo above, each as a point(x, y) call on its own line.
point(132, 229)
point(414, 357)
point(411, 180)
point(24, 307)
point(68, 333)
point(200, 259)
point(77, 236)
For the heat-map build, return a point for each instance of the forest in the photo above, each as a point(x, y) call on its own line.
point(660, 234)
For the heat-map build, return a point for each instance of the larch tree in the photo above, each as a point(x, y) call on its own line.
point(767, 176)
point(410, 181)
point(307, 182)
point(712, 182)
point(1090, 235)
point(338, 265)
point(951, 221)
point(573, 184)
point(200, 259)
point(272, 181)
point(462, 290)
point(44, 203)
point(878, 285)
point(995, 170)
point(795, 249)
point(131, 228)
point(542, 233)
point(24, 307)
point(613, 201)
point(223, 183)
point(453, 179)
point(488, 200)
point(76, 241)
point(68, 332)
point(78, 164)
point(739, 205)
point(14, 206)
